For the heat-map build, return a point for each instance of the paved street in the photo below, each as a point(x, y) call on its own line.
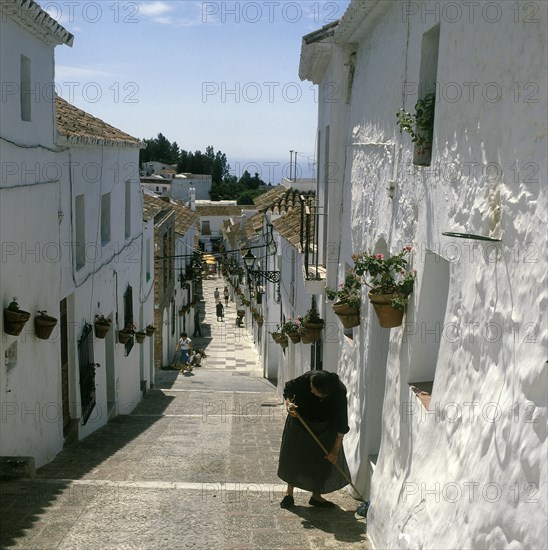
point(194, 466)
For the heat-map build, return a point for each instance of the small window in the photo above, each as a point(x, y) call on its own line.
point(128, 210)
point(206, 229)
point(105, 219)
point(128, 315)
point(25, 88)
point(427, 95)
point(80, 237)
point(148, 263)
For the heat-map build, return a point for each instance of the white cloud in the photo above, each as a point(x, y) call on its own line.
point(154, 9)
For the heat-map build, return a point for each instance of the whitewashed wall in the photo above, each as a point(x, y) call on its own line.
point(30, 377)
point(98, 287)
point(472, 475)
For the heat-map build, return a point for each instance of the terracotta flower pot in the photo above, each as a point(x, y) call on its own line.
point(140, 336)
point(312, 332)
point(295, 337)
point(14, 321)
point(150, 330)
point(43, 326)
point(123, 337)
point(388, 316)
point(280, 339)
point(101, 330)
point(349, 316)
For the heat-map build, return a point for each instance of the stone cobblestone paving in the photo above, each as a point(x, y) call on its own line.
point(193, 466)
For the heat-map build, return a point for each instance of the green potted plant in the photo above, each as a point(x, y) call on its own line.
point(44, 325)
point(292, 328)
point(14, 318)
point(420, 126)
point(348, 297)
point(391, 282)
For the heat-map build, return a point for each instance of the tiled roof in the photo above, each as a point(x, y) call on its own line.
point(152, 206)
point(32, 17)
point(289, 227)
point(281, 199)
point(184, 217)
point(76, 127)
point(221, 210)
point(264, 201)
point(253, 226)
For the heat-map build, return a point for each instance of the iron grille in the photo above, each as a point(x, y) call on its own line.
point(87, 372)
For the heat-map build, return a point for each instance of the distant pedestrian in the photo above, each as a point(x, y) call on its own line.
point(197, 327)
point(226, 295)
point(183, 349)
point(319, 397)
point(216, 295)
point(220, 311)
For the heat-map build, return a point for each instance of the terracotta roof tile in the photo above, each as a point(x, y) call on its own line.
point(222, 210)
point(152, 206)
point(264, 202)
point(289, 227)
point(77, 127)
point(184, 217)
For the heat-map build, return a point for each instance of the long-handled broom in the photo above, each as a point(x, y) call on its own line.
point(362, 508)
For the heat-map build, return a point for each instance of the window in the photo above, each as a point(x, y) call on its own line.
point(128, 315)
point(206, 229)
point(128, 210)
point(80, 237)
point(148, 263)
point(86, 365)
point(105, 219)
point(25, 88)
point(427, 87)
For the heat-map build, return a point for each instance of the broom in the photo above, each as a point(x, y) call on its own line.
point(362, 508)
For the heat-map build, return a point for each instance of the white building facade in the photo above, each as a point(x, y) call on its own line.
point(468, 470)
point(72, 236)
point(30, 198)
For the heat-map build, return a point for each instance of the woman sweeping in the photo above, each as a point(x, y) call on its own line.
point(319, 398)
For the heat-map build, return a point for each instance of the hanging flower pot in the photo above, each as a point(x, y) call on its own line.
point(280, 338)
point(260, 320)
point(348, 315)
point(313, 326)
point(312, 332)
point(44, 325)
point(240, 312)
point(125, 334)
point(14, 318)
point(140, 336)
point(150, 330)
point(101, 326)
point(295, 337)
point(387, 314)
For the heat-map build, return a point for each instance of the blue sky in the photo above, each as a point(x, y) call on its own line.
point(202, 73)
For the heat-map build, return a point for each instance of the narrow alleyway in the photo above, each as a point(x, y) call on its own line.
point(194, 466)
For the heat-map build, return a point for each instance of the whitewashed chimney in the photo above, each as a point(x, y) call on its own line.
point(192, 198)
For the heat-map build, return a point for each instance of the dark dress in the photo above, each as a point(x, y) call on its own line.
point(302, 463)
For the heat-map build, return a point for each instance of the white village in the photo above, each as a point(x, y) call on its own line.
point(412, 266)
